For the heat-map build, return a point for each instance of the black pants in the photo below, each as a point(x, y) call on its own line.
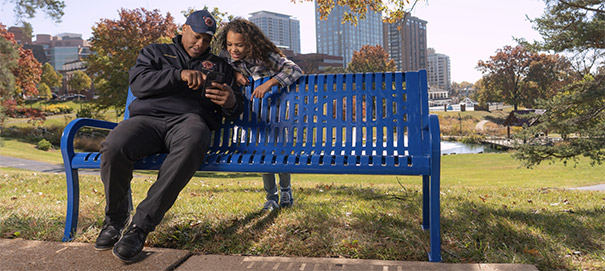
point(185, 138)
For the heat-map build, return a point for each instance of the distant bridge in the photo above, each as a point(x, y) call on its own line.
point(501, 143)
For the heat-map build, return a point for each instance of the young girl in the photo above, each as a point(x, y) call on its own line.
point(252, 54)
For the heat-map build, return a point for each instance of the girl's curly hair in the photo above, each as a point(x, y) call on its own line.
point(258, 45)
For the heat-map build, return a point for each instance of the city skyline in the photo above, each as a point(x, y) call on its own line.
point(480, 27)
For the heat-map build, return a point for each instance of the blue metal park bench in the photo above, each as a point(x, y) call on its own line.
point(370, 123)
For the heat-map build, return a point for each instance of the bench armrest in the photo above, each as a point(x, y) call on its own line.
point(67, 138)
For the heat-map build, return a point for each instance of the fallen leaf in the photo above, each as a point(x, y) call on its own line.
point(532, 251)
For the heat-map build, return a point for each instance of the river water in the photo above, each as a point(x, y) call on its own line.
point(454, 147)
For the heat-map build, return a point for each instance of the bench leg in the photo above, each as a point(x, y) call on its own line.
point(73, 203)
point(435, 229)
point(426, 222)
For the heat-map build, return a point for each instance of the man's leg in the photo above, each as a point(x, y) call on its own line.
point(188, 140)
point(131, 140)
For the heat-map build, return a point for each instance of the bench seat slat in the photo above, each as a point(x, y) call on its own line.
point(232, 163)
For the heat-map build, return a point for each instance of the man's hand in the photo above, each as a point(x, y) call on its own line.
point(221, 94)
point(194, 79)
point(241, 79)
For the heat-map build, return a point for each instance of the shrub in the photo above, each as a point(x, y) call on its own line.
point(33, 135)
point(58, 109)
point(89, 144)
point(87, 111)
point(44, 145)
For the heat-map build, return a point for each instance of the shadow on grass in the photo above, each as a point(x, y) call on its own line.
point(312, 228)
point(233, 236)
point(552, 240)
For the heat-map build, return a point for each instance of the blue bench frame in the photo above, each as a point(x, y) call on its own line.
point(364, 123)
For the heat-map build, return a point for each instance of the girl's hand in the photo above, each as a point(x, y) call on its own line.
point(260, 91)
point(241, 79)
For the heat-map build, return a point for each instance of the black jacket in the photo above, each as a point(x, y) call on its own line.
point(155, 80)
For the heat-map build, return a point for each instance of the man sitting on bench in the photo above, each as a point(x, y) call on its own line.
point(173, 113)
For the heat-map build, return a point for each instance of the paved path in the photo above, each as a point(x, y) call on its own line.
point(18, 254)
point(7, 161)
point(481, 125)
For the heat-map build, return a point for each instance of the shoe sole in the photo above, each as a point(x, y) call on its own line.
point(135, 258)
point(103, 248)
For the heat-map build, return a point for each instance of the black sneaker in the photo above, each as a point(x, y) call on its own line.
point(130, 246)
point(109, 235)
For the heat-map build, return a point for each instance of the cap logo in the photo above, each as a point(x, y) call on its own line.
point(208, 21)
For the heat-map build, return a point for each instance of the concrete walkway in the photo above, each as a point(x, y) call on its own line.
point(18, 254)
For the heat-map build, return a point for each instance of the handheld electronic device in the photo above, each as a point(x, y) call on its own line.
point(212, 76)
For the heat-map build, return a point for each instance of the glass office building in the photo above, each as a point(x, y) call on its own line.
point(62, 55)
point(342, 39)
point(283, 30)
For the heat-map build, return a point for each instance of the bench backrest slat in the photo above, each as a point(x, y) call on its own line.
point(330, 114)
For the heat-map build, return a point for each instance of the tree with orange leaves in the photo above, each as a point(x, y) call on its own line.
point(26, 74)
point(115, 45)
point(371, 59)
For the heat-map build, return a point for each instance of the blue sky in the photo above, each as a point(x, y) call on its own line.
point(466, 30)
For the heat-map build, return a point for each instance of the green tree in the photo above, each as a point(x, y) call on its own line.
point(484, 93)
point(9, 59)
point(28, 30)
point(115, 45)
point(79, 82)
point(577, 111)
point(50, 77)
point(44, 91)
point(28, 8)
point(371, 59)
point(27, 71)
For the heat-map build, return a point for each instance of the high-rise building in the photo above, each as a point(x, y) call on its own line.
point(342, 39)
point(283, 30)
point(438, 71)
point(405, 42)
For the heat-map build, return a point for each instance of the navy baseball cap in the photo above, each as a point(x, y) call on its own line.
point(202, 22)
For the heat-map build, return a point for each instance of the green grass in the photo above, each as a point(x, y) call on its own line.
point(476, 170)
point(493, 211)
point(351, 216)
point(23, 150)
